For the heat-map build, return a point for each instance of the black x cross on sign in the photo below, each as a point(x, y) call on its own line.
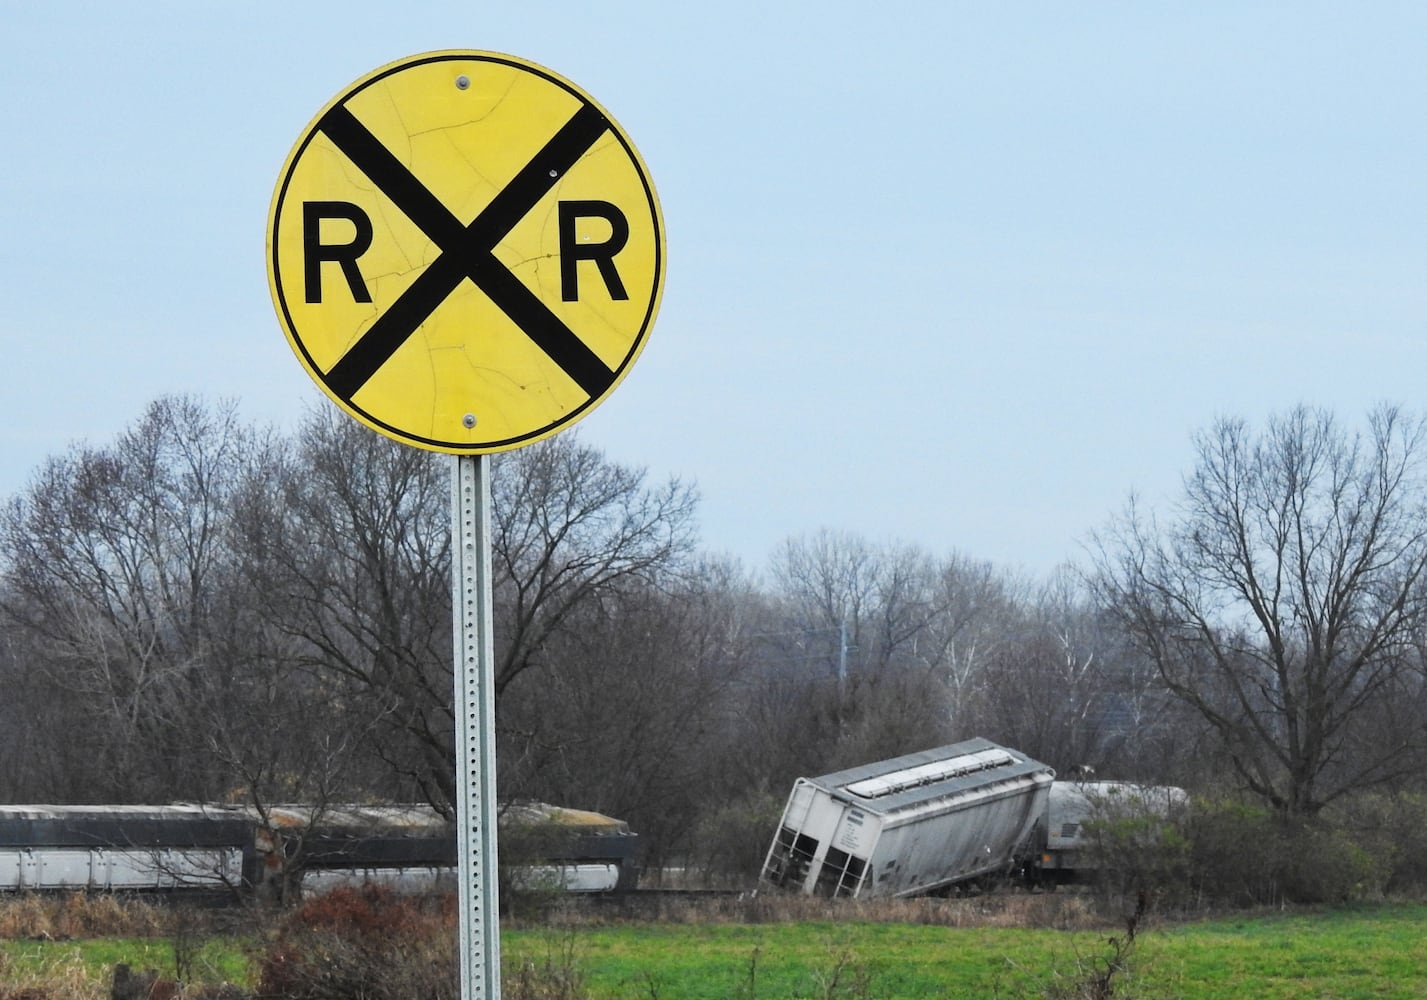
point(466, 251)
point(348, 362)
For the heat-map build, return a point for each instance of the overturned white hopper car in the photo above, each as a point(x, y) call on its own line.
point(910, 825)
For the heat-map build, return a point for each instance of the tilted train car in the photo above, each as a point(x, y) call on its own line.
point(234, 851)
point(910, 825)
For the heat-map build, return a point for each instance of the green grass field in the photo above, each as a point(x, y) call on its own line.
point(1374, 952)
point(1365, 952)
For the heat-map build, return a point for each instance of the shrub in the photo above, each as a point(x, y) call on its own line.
point(373, 944)
point(1244, 855)
point(1325, 864)
point(364, 944)
point(1235, 853)
point(1392, 829)
point(733, 839)
point(1136, 843)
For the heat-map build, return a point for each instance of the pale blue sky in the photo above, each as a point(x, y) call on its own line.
point(956, 274)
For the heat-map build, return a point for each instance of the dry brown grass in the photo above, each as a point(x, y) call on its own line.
point(77, 915)
point(63, 981)
point(1060, 911)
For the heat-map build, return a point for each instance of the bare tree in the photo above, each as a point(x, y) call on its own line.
point(224, 612)
point(283, 733)
point(40, 758)
point(1283, 599)
point(113, 559)
point(865, 610)
point(635, 718)
point(362, 570)
point(881, 646)
point(350, 539)
point(570, 527)
point(1040, 686)
point(981, 608)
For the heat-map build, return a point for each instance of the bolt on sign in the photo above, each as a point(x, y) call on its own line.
point(465, 252)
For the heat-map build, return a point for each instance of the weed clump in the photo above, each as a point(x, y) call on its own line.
point(380, 945)
point(76, 915)
point(65, 981)
point(368, 942)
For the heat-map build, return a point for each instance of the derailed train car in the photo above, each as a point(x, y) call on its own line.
point(911, 825)
point(234, 851)
point(923, 822)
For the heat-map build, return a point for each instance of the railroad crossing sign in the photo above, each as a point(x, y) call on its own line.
point(465, 252)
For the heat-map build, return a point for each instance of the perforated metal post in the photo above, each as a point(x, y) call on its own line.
point(475, 727)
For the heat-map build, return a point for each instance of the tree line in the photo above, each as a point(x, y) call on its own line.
point(207, 610)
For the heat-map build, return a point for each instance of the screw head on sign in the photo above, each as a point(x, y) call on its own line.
point(469, 420)
point(462, 82)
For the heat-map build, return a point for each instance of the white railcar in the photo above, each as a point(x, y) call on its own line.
point(234, 850)
point(910, 825)
point(571, 878)
point(121, 848)
point(99, 869)
point(1066, 854)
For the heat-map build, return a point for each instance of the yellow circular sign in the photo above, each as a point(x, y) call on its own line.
point(465, 251)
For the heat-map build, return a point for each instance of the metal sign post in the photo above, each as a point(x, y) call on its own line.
point(466, 254)
point(474, 707)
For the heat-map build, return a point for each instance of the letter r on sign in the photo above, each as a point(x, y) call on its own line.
point(343, 254)
point(572, 250)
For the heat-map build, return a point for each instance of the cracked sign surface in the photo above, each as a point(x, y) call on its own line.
point(465, 251)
